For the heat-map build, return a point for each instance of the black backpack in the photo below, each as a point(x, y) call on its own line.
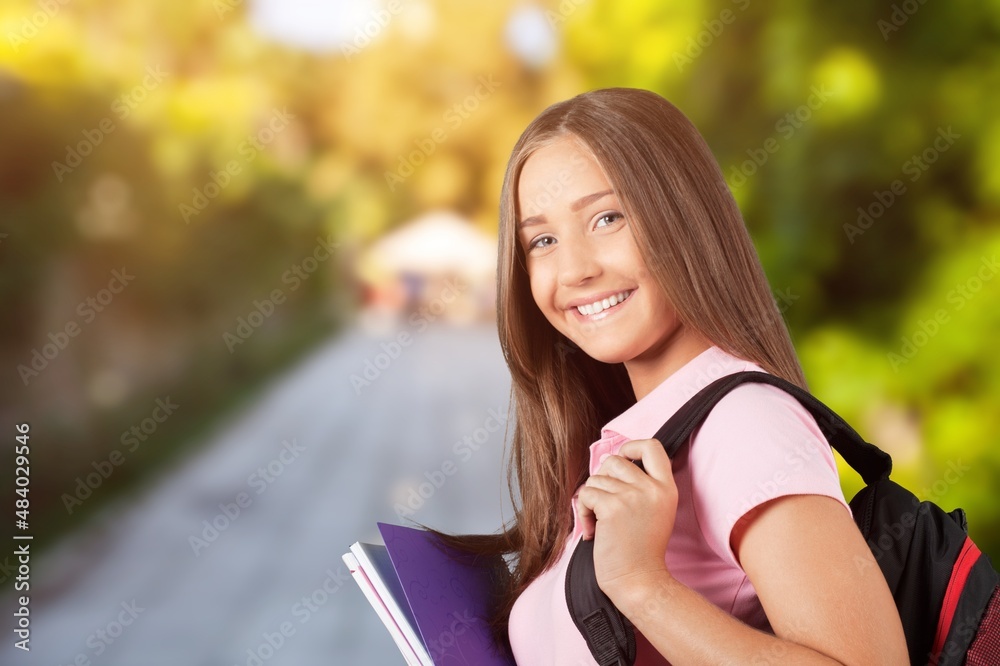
point(945, 589)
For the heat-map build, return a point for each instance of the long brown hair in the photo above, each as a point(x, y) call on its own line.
point(696, 246)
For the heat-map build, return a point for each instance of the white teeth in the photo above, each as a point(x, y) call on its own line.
point(599, 306)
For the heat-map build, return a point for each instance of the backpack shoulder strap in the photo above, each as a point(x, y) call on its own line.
point(867, 459)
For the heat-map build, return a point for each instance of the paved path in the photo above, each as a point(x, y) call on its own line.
point(132, 572)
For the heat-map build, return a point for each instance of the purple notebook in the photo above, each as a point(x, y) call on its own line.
point(449, 597)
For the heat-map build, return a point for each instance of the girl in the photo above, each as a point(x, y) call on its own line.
point(627, 282)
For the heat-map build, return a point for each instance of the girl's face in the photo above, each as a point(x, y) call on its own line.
point(586, 274)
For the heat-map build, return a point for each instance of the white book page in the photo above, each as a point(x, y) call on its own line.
point(380, 579)
point(383, 613)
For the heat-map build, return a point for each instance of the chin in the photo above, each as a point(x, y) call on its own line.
point(609, 356)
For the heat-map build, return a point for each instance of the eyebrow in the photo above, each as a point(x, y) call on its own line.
point(575, 206)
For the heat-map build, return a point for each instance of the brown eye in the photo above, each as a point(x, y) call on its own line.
point(613, 217)
point(536, 243)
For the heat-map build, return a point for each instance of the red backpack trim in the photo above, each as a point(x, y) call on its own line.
point(959, 574)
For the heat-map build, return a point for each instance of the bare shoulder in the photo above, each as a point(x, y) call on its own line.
point(817, 580)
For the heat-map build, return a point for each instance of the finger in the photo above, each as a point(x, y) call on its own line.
point(620, 467)
point(608, 482)
point(588, 503)
point(585, 515)
point(654, 458)
point(588, 525)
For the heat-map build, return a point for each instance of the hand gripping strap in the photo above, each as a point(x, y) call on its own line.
point(609, 634)
point(866, 459)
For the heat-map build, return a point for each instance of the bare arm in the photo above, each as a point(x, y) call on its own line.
point(823, 592)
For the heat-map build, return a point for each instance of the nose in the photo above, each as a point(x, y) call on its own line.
point(578, 261)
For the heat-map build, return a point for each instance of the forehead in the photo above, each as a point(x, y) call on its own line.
point(556, 174)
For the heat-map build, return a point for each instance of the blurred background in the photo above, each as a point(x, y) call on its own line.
point(247, 260)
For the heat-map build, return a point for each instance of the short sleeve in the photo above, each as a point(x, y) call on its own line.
point(757, 443)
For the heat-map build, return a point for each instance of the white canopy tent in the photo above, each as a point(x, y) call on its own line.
point(436, 243)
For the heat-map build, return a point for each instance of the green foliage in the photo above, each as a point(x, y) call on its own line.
point(862, 145)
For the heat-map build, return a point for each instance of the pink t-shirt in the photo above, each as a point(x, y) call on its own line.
point(758, 443)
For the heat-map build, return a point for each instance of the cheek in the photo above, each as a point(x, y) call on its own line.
point(539, 285)
point(629, 253)
point(538, 292)
point(542, 292)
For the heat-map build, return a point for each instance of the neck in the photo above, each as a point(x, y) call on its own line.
point(652, 369)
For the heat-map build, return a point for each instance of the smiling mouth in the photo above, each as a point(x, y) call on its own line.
point(604, 308)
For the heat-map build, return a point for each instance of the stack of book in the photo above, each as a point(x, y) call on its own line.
point(434, 600)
